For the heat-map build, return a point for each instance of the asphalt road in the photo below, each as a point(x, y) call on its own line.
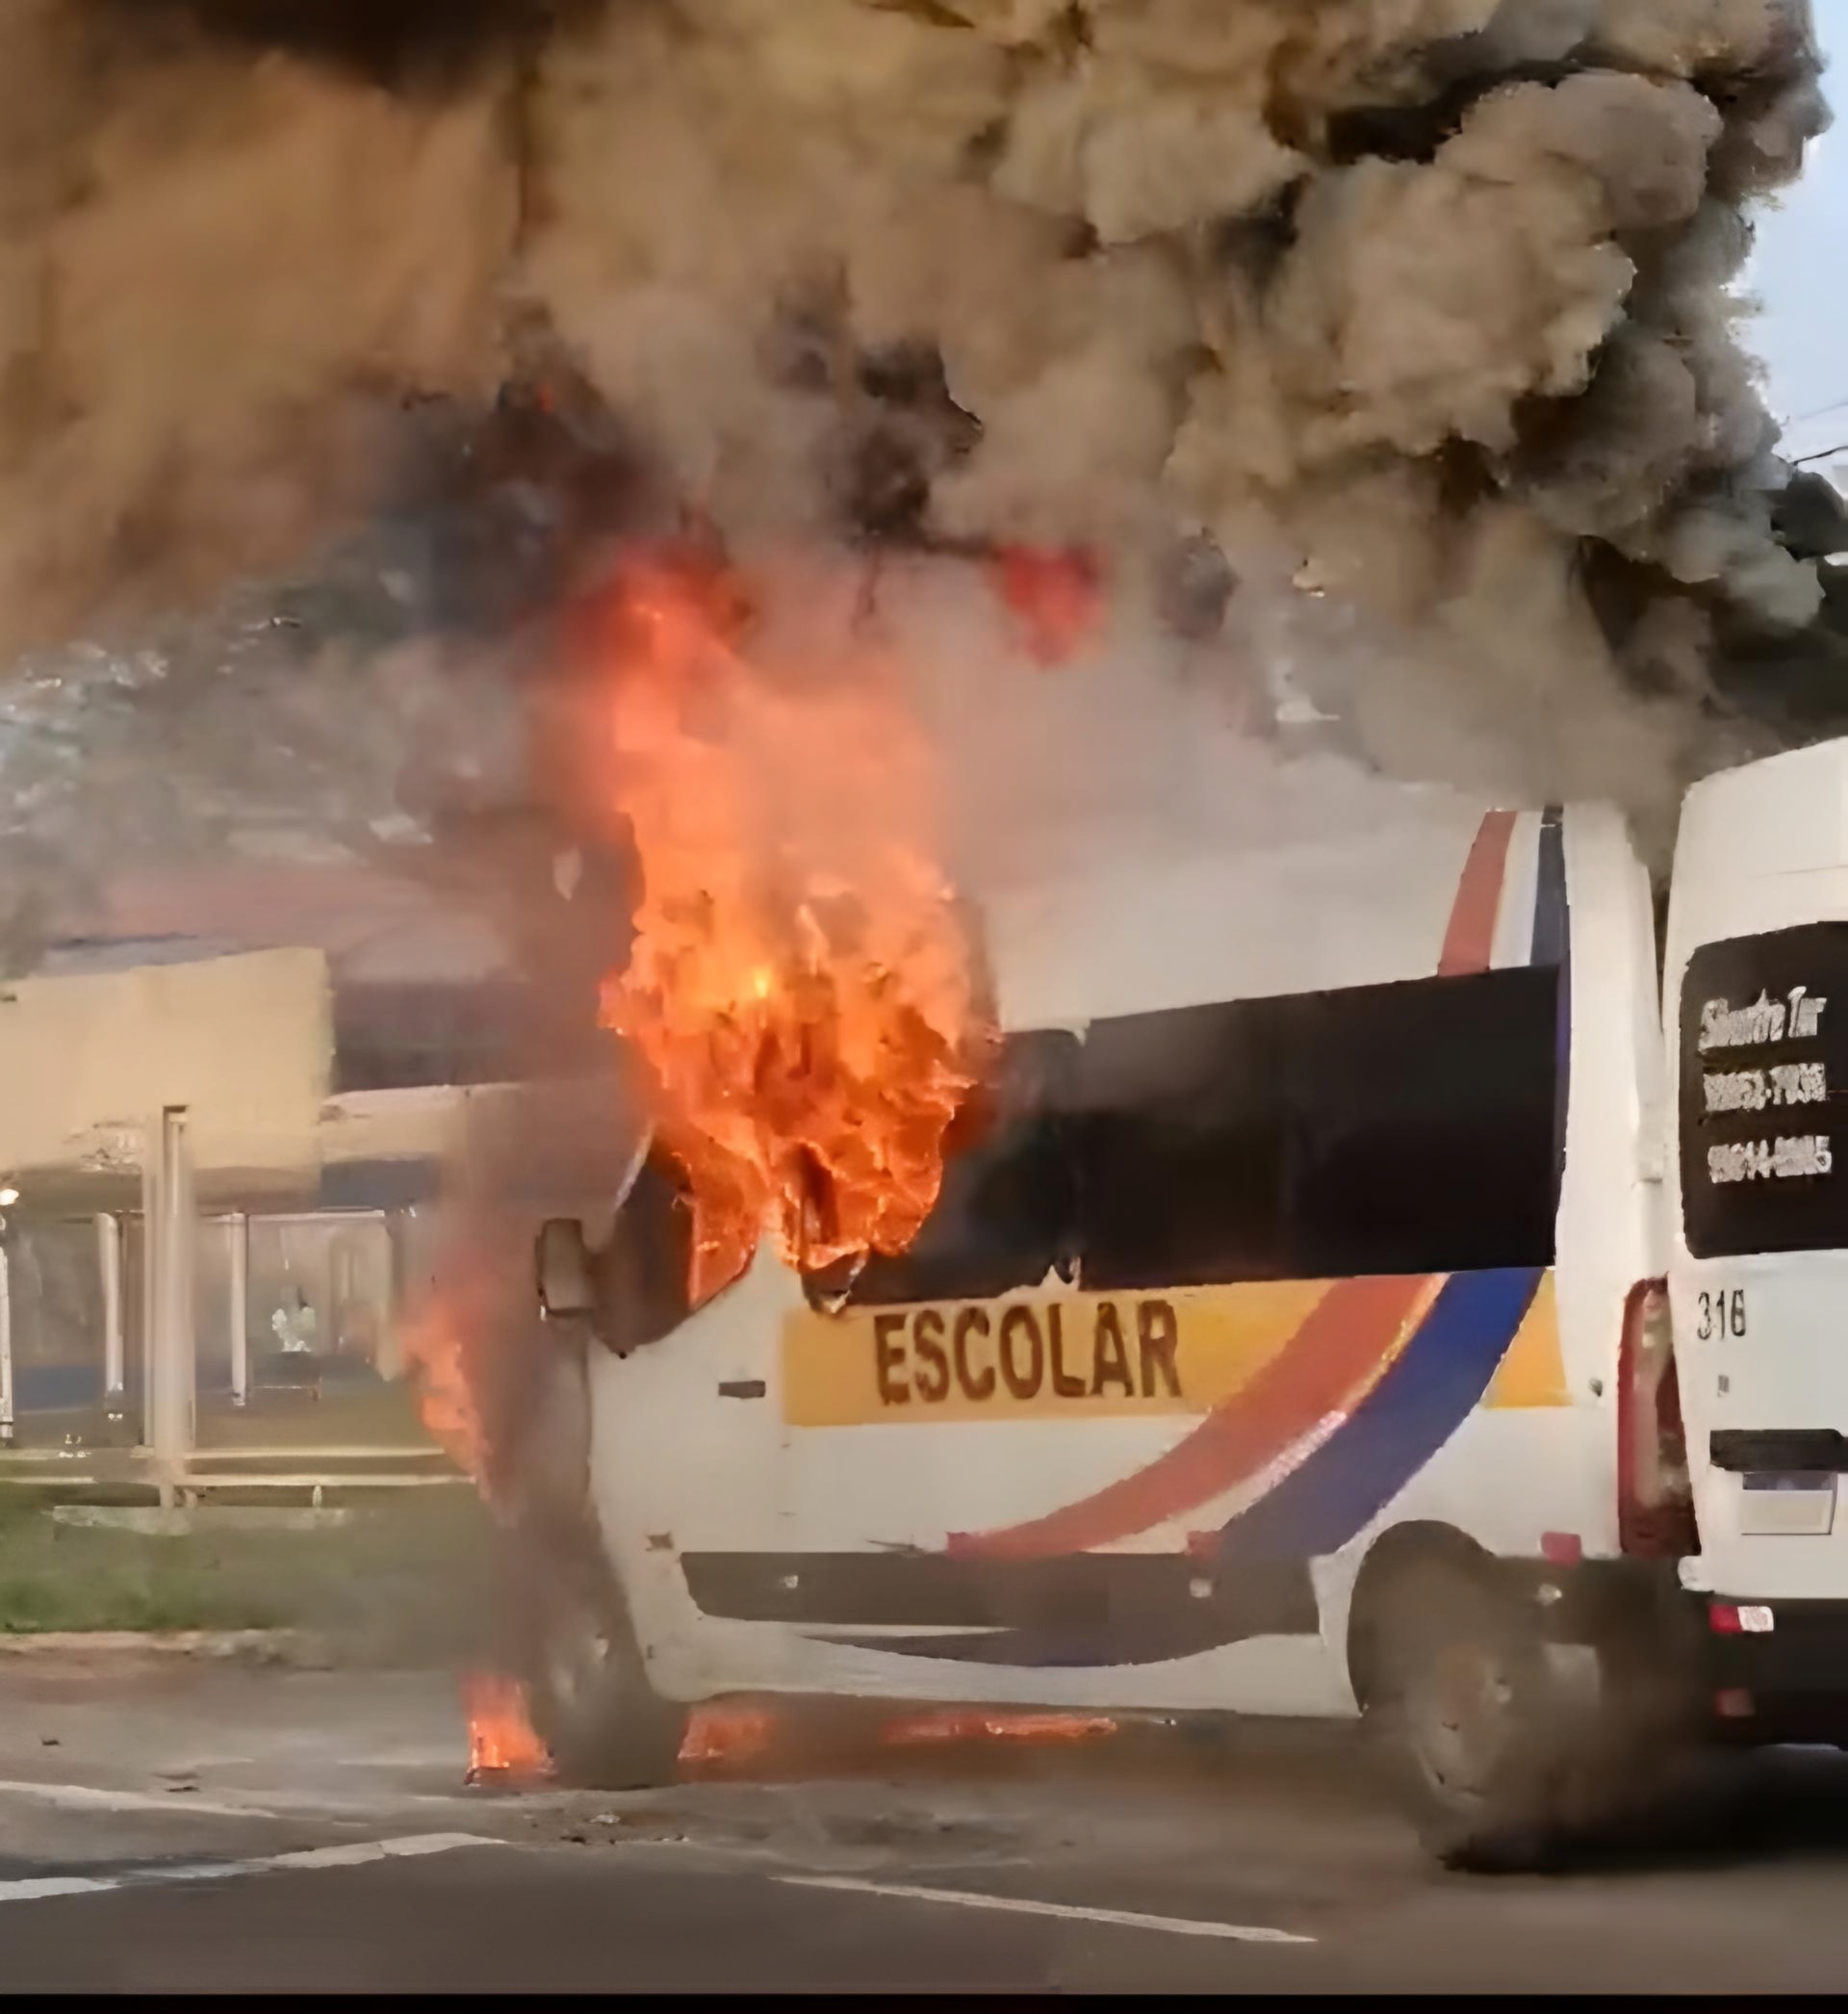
point(188, 1828)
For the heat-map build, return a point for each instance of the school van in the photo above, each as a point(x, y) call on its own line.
point(1309, 1328)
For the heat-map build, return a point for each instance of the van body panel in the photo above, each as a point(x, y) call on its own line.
point(1755, 1021)
point(1153, 1484)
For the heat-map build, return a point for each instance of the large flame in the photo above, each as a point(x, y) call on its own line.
point(802, 984)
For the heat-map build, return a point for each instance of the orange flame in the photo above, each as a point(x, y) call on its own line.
point(738, 1734)
point(455, 1336)
point(1056, 595)
point(728, 1734)
point(800, 985)
point(969, 1725)
point(501, 1741)
point(431, 1336)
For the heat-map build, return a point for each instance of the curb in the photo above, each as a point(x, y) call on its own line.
point(294, 1648)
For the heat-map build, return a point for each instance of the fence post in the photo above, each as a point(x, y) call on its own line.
point(239, 1227)
point(150, 1302)
point(173, 1250)
point(6, 1343)
point(108, 1264)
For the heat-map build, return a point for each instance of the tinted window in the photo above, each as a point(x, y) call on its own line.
point(1764, 1060)
point(1184, 1147)
point(1009, 1207)
point(1406, 1129)
point(1423, 1127)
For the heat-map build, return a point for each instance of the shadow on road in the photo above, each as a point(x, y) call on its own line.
point(1726, 1811)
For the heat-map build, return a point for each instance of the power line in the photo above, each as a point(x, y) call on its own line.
point(1820, 412)
point(1803, 461)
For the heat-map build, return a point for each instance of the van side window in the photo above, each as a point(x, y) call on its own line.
point(1008, 1211)
point(1423, 1125)
point(1182, 1148)
point(1403, 1129)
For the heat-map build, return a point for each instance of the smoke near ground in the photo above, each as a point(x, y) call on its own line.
point(1418, 315)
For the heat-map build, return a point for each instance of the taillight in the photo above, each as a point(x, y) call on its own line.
point(1655, 1502)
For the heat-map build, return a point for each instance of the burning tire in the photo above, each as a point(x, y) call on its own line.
point(593, 1705)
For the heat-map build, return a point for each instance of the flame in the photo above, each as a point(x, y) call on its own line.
point(950, 1726)
point(735, 1734)
point(1056, 595)
point(800, 985)
point(447, 1331)
point(501, 1741)
point(454, 1334)
point(433, 1337)
point(728, 1734)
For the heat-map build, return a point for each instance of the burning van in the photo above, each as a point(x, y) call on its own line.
point(1287, 1335)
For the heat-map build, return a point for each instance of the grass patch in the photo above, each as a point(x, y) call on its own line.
point(413, 1574)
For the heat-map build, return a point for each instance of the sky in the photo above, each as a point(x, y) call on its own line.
point(1800, 274)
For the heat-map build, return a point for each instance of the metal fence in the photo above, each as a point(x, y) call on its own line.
point(188, 1352)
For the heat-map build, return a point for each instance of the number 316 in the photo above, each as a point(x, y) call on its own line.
point(1722, 1315)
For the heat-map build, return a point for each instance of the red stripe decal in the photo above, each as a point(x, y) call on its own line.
point(1341, 1340)
point(1469, 942)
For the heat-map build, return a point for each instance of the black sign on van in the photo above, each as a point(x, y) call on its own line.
point(1764, 1070)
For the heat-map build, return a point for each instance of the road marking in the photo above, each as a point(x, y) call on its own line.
point(83, 1797)
point(1116, 1919)
point(413, 1847)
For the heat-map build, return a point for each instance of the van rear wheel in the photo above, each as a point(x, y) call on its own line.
point(1456, 1699)
point(592, 1703)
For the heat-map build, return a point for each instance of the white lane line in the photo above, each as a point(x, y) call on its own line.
point(1116, 1919)
point(413, 1847)
point(60, 1885)
point(83, 1797)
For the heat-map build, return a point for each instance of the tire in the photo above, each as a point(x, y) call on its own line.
point(1458, 1700)
point(565, 1625)
point(592, 1703)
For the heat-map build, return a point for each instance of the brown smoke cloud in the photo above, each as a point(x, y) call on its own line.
point(1419, 308)
point(223, 271)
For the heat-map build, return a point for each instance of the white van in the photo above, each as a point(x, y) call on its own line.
point(1292, 1337)
point(1758, 1209)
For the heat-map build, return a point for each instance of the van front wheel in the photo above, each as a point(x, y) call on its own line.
point(592, 1703)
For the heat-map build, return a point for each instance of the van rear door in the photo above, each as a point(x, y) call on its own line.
point(1757, 1020)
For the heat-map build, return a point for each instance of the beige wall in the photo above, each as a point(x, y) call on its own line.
point(244, 1042)
point(382, 1125)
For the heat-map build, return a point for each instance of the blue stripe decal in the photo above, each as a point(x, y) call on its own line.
point(1047, 1650)
point(1553, 944)
point(1552, 936)
point(1278, 1602)
point(1424, 1398)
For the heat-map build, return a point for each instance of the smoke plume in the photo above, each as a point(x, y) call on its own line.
point(1418, 316)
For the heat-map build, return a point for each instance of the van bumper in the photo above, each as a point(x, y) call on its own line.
point(1787, 1682)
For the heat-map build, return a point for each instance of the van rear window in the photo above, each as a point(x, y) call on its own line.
point(1764, 1068)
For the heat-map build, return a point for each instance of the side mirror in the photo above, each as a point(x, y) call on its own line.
point(566, 1275)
